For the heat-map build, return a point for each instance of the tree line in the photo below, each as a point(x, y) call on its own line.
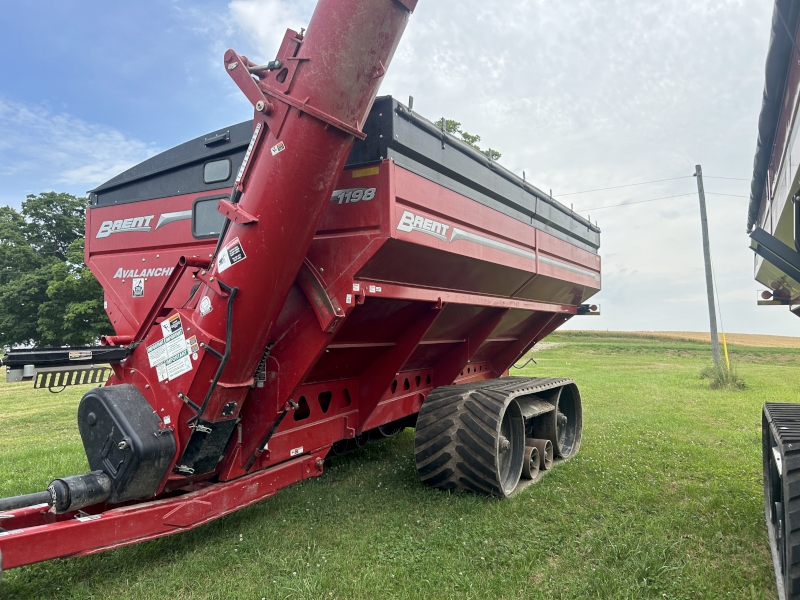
point(48, 297)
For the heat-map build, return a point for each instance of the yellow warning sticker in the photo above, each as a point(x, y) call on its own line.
point(366, 172)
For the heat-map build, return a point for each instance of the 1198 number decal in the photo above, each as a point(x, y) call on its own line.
point(353, 195)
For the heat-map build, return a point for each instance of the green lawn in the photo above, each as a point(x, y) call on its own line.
point(663, 501)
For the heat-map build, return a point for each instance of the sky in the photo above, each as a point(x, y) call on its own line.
point(580, 95)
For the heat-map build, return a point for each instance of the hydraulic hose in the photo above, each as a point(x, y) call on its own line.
point(15, 502)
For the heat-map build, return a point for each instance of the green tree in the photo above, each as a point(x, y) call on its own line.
point(47, 295)
point(454, 127)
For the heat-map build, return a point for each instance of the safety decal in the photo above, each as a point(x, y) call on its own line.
point(230, 254)
point(178, 364)
point(247, 154)
point(156, 353)
point(137, 289)
point(172, 324)
point(296, 451)
point(192, 344)
point(205, 305)
point(279, 147)
point(170, 356)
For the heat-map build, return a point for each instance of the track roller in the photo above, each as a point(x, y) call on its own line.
point(780, 434)
point(530, 465)
point(545, 449)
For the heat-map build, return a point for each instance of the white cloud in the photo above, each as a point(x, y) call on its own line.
point(265, 21)
point(596, 93)
point(60, 151)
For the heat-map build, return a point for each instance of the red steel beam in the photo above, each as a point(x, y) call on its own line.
point(145, 521)
point(379, 376)
point(407, 292)
point(449, 367)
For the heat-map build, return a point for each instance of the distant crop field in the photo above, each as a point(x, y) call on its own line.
point(664, 500)
point(733, 339)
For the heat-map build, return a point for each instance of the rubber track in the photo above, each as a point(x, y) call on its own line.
point(457, 430)
point(784, 422)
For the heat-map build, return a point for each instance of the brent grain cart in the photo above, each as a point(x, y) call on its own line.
point(280, 293)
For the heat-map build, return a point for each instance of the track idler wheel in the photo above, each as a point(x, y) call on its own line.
point(470, 439)
point(563, 426)
point(545, 450)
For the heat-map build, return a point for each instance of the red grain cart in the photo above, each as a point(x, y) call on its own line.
point(280, 294)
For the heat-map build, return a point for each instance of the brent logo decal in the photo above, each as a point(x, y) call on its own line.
point(410, 222)
point(125, 225)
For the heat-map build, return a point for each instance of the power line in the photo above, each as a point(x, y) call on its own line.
point(654, 200)
point(636, 202)
point(616, 187)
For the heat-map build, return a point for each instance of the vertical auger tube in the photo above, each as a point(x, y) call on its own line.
point(307, 113)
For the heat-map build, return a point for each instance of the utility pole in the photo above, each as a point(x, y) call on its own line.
point(712, 313)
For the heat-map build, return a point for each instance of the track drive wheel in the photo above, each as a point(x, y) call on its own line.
point(780, 434)
point(470, 439)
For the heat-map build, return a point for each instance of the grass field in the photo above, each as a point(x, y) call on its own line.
point(663, 501)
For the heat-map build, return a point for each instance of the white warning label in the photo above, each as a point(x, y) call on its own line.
point(205, 305)
point(171, 355)
point(230, 254)
point(174, 343)
point(171, 325)
point(156, 353)
point(178, 364)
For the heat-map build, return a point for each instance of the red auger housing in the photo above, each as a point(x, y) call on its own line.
point(280, 294)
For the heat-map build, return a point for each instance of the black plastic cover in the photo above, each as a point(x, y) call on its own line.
point(206, 447)
point(122, 437)
point(393, 131)
point(74, 356)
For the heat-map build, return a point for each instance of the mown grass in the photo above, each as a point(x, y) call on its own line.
point(663, 501)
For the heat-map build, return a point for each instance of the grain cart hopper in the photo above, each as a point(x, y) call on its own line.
point(280, 294)
point(773, 222)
